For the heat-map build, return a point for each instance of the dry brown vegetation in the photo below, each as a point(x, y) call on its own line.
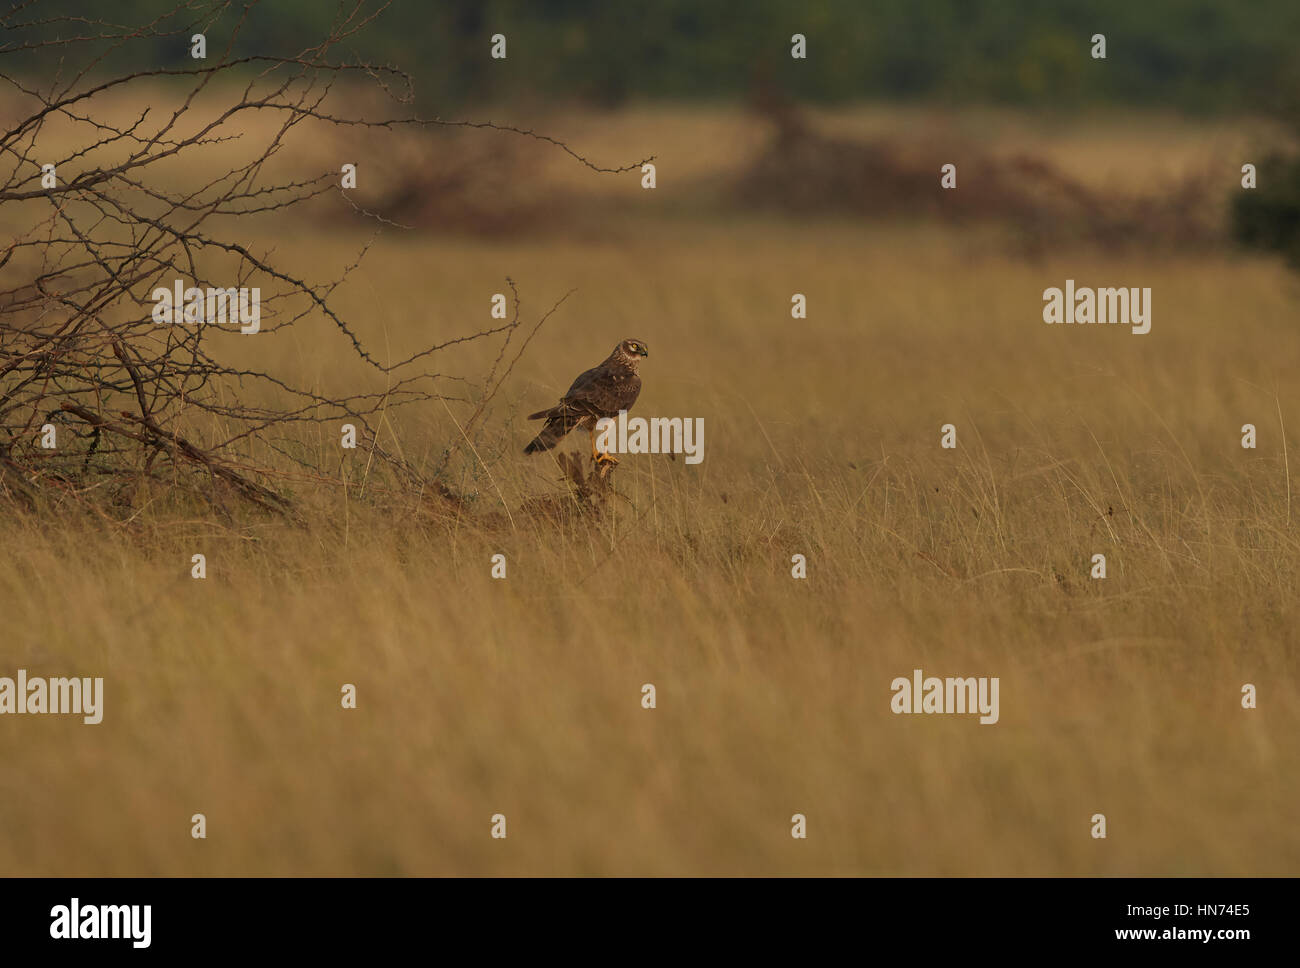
point(822, 438)
point(805, 170)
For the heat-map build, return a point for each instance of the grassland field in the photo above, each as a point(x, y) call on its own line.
point(477, 696)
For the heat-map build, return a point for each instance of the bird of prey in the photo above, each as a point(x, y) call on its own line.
point(602, 391)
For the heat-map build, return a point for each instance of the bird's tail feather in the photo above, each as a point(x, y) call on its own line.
point(556, 427)
point(543, 441)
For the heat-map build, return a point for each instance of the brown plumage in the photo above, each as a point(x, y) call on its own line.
point(602, 391)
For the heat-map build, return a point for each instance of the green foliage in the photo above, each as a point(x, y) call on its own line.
point(1268, 217)
point(1199, 56)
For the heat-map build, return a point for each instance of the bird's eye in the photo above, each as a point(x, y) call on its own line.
point(633, 347)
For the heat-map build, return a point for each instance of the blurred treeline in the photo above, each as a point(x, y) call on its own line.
point(1197, 56)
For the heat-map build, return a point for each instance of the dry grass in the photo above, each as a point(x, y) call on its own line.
point(822, 437)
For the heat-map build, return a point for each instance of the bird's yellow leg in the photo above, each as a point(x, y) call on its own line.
point(599, 456)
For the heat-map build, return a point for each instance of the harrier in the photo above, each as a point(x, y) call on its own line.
point(602, 391)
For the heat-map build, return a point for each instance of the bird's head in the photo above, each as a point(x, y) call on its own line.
point(631, 350)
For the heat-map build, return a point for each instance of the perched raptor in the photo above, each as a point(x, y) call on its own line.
point(602, 391)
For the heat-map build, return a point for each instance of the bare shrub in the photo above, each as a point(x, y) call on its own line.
point(133, 401)
point(805, 170)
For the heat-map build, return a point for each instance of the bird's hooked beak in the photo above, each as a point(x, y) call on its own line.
point(644, 351)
